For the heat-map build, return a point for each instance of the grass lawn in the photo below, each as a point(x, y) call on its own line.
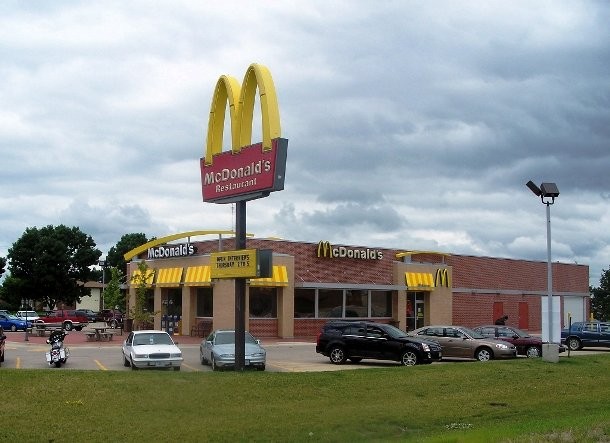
point(525, 400)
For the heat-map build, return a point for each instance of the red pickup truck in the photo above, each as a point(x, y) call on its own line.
point(67, 319)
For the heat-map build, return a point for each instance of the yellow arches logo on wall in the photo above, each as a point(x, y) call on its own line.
point(325, 249)
point(247, 171)
point(441, 278)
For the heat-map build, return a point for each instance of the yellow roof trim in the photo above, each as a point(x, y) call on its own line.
point(169, 277)
point(419, 280)
point(406, 253)
point(198, 276)
point(279, 278)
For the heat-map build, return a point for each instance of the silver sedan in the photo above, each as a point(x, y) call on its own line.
point(218, 350)
point(462, 342)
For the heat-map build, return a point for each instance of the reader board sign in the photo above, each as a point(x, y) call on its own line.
point(242, 263)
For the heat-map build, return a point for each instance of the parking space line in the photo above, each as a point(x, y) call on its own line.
point(101, 366)
point(190, 367)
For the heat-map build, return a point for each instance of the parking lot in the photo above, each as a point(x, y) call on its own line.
point(282, 356)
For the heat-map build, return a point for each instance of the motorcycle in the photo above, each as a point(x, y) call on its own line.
point(58, 354)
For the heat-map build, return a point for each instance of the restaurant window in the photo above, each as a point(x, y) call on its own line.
point(205, 302)
point(149, 301)
point(304, 303)
point(356, 303)
point(381, 303)
point(171, 301)
point(330, 303)
point(263, 302)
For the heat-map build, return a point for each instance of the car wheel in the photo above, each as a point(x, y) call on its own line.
point(202, 358)
point(176, 368)
point(68, 326)
point(337, 355)
point(125, 362)
point(355, 359)
point(13, 328)
point(133, 367)
point(213, 364)
point(260, 368)
point(574, 344)
point(533, 352)
point(483, 354)
point(408, 358)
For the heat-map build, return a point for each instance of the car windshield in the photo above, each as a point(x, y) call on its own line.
point(520, 333)
point(471, 333)
point(152, 339)
point(228, 338)
point(394, 332)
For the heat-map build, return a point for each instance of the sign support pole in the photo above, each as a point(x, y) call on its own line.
point(240, 289)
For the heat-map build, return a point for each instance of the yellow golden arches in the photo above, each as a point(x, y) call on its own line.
point(241, 111)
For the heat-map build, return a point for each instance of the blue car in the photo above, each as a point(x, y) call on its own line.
point(11, 323)
point(586, 334)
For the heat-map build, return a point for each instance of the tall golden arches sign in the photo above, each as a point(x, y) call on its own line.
point(241, 110)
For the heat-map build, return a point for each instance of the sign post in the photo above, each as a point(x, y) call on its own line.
point(249, 171)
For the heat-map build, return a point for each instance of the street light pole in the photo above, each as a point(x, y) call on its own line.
point(550, 349)
point(549, 273)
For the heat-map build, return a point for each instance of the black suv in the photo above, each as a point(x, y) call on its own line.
point(355, 340)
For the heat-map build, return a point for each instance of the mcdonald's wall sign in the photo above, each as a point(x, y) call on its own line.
point(247, 171)
point(326, 250)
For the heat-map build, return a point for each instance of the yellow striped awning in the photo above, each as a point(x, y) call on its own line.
point(198, 276)
point(280, 278)
point(169, 277)
point(135, 277)
point(419, 280)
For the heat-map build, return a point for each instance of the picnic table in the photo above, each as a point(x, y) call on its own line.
point(40, 329)
point(99, 333)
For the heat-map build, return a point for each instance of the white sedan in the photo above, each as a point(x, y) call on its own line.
point(151, 349)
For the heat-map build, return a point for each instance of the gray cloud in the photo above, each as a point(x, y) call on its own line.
point(411, 125)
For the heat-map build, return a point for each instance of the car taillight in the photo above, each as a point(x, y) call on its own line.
point(318, 338)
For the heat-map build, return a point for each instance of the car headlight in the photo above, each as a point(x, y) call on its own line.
point(227, 355)
point(257, 354)
point(136, 355)
point(425, 347)
point(501, 346)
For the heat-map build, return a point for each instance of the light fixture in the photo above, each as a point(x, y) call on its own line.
point(551, 330)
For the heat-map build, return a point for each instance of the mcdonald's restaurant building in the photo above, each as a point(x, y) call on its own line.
point(315, 282)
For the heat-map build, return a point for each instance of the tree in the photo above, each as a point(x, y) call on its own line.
point(51, 264)
point(2, 265)
point(113, 296)
point(600, 297)
point(125, 244)
point(140, 315)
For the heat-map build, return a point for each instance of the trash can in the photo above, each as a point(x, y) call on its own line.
point(128, 325)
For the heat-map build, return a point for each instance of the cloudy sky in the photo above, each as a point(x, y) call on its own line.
point(411, 124)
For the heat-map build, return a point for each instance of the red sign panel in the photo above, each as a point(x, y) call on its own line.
point(251, 173)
